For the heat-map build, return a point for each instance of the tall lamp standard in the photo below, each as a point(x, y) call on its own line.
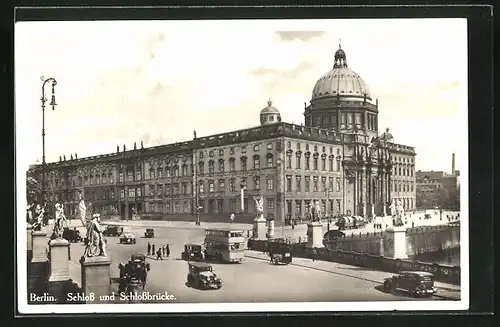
point(53, 104)
point(195, 184)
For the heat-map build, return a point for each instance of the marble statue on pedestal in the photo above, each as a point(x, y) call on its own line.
point(397, 212)
point(60, 219)
point(259, 204)
point(316, 211)
point(95, 244)
point(38, 223)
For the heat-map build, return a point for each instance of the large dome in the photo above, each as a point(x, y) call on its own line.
point(341, 81)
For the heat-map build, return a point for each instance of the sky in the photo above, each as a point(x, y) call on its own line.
point(120, 82)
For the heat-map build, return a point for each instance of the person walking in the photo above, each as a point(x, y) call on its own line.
point(149, 248)
point(168, 250)
point(314, 254)
point(153, 249)
point(163, 250)
point(158, 254)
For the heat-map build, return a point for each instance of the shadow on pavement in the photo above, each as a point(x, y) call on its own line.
point(355, 268)
point(381, 289)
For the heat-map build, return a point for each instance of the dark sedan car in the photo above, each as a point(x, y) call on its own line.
point(416, 283)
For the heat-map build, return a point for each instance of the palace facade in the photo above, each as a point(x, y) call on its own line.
point(338, 157)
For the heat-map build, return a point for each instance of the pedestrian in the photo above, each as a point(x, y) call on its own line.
point(412, 224)
point(314, 254)
point(163, 250)
point(149, 248)
point(168, 250)
point(153, 249)
point(158, 254)
point(231, 218)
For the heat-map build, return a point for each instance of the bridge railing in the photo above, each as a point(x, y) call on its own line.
point(442, 273)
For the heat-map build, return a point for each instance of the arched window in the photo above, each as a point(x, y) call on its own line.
point(160, 172)
point(211, 167)
point(221, 165)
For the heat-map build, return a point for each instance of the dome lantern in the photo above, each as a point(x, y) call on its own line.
point(340, 58)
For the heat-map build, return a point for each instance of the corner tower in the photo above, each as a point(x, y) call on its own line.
point(341, 101)
point(270, 115)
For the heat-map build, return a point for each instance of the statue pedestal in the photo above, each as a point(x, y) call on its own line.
point(270, 228)
point(136, 217)
point(315, 235)
point(396, 236)
point(29, 243)
point(39, 247)
point(259, 228)
point(39, 268)
point(96, 278)
point(59, 260)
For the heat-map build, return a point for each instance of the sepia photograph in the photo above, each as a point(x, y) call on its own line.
point(241, 165)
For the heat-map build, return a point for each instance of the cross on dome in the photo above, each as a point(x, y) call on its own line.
point(269, 102)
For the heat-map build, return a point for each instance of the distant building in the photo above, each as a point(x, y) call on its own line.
point(438, 188)
point(337, 157)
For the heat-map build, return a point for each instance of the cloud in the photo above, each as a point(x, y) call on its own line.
point(298, 35)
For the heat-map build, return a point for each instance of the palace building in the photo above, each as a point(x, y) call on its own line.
point(338, 156)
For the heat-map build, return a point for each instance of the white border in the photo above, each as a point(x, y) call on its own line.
point(292, 25)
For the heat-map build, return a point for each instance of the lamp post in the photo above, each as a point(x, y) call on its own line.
point(53, 104)
point(195, 184)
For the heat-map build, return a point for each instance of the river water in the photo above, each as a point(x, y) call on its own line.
point(446, 257)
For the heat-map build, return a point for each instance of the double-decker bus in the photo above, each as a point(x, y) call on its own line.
point(225, 245)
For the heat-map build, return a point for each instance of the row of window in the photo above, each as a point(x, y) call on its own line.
point(220, 184)
point(401, 171)
point(333, 165)
point(221, 152)
point(331, 186)
point(328, 207)
point(307, 148)
point(256, 164)
point(404, 186)
point(347, 119)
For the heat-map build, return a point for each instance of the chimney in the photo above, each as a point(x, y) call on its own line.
point(453, 164)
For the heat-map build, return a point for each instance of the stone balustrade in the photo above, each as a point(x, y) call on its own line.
point(442, 273)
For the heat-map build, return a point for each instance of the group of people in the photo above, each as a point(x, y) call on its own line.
point(162, 251)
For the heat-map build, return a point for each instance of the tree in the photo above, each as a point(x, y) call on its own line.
point(31, 186)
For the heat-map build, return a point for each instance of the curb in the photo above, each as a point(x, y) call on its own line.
point(346, 275)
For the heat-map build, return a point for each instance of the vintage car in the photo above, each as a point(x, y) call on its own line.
point(149, 233)
point(127, 238)
point(416, 283)
point(333, 235)
point(72, 235)
point(280, 253)
point(134, 273)
point(350, 222)
point(192, 252)
point(113, 231)
point(202, 276)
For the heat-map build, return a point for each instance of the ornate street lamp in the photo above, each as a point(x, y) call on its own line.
point(53, 104)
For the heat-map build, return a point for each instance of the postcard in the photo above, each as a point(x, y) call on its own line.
point(241, 165)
